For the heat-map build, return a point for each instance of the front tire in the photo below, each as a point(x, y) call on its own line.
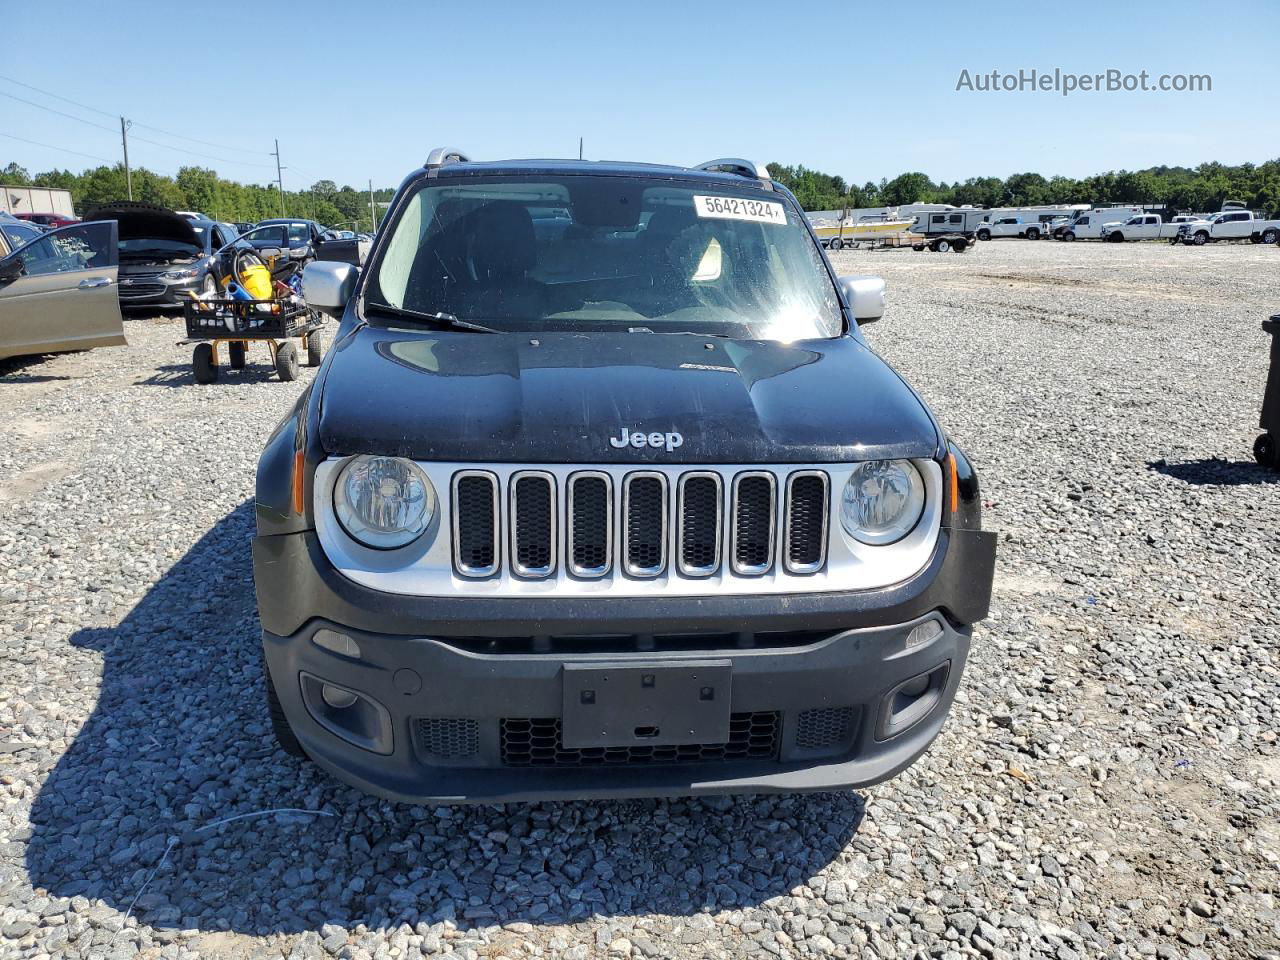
point(285, 738)
point(1266, 451)
point(237, 352)
point(984, 234)
point(1270, 236)
point(1200, 239)
point(208, 289)
point(202, 364)
point(1033, 234)
point(835, 244)
point(287, 362)
point(1116, 238)
point(1069, 237)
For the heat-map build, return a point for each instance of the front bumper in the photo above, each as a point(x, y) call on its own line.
point(462, 694)
point(157, 293)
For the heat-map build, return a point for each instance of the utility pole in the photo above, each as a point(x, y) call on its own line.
point(373, 211)
point(124, 142)
point(579, 148)
point(279, 176)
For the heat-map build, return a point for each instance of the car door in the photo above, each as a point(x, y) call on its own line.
point(58, 292)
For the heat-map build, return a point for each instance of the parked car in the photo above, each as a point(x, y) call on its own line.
point(243, 227)
point(1088, 224)
point(193, 215)
point(1145, 226)
point(165, 257)
point(48, 219)
point(1009, 227)
point(1230, 225)
point(306, 240)
point(15, 233)
point(626, 509)
point(57, 288)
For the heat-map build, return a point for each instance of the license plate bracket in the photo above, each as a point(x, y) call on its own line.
point(646, 704)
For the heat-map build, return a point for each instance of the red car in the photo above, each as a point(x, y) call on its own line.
point(51, 220)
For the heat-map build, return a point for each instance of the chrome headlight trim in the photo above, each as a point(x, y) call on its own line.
point(902, 522)
point(353, 516)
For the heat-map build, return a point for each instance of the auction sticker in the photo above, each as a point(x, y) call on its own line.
point(736, 208)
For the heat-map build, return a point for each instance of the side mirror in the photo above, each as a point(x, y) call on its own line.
point(865, 297)
point(11, 268)
point(328, 285)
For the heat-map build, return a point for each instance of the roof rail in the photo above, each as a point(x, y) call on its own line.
point(736, 165)
point(442, 155)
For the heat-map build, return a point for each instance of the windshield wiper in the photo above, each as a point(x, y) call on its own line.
point(443, 319)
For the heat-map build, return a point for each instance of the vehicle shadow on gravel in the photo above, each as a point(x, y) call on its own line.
point(1213, 471)
point(181, 375)
point(179, 741)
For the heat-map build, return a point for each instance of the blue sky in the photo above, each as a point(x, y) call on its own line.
point(863, 90)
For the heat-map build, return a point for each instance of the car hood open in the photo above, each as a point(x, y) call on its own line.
point(568, 397)
point(146, 221)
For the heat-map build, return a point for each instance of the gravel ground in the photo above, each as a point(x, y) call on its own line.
point(1106, 787)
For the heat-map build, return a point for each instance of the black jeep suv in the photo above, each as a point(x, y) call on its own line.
point(601, 492)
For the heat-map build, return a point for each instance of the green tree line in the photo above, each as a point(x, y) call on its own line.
point(198, 188)
point(1199, 189)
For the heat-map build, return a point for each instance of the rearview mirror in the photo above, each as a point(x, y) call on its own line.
point(328, 285)
point(864, 296)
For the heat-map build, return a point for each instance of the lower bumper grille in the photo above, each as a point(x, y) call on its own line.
point(825, 727)
point(448, 738)
point(536, 742)
point(138, 290)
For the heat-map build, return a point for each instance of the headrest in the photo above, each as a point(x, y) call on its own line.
point(500, 241)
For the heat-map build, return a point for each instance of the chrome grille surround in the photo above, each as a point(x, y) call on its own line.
point(796, 526)
point(738, 535)
point(577, 520)
point(428, 566)
point(521, 535)
point(631, 518)
point(686, 518)
point(461, 563)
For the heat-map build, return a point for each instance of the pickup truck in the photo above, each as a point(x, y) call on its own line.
point(1229, 225)
point(1010, 227)
point(1146, 226)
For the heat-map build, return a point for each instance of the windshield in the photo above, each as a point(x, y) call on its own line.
point(608, 253)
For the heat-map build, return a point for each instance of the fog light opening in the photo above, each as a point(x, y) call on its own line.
point(336, 697)
point(911, 701)
point(353, 716)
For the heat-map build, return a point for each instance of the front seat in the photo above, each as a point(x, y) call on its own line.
point(501, 252)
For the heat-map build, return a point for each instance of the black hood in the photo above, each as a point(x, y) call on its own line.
point(146, 221)
point(562, 398)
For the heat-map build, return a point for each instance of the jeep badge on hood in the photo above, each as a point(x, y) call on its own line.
point(638, 439)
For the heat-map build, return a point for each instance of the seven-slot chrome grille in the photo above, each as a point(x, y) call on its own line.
point(647, 524)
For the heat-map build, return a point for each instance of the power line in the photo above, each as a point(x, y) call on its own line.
point(167, 133)
point(154, 143)
point(74, 103)
point(50, 146)
point(69, 116)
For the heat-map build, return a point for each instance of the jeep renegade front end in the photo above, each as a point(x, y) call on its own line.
point(601, 492)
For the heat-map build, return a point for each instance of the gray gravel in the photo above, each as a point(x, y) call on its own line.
point(1107, 786)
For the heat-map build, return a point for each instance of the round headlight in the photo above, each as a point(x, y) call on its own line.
point(384, 502)
point(882, 501)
